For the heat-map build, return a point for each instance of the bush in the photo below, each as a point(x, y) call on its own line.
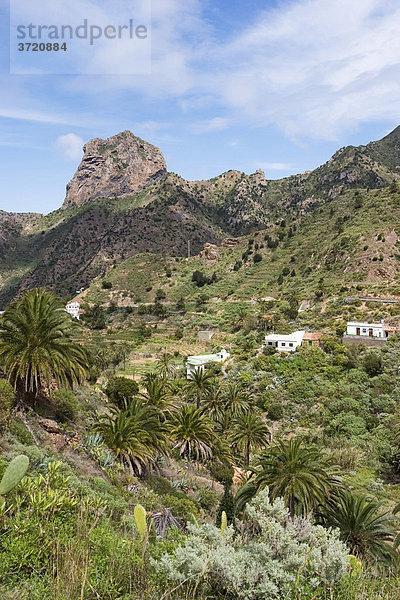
point(226, 505)
point(160, 295)
point(183, 508)
point(20, 432)
point(207, 499)
point(106, 285)
point(67, 407)
point(275, 411)
point(372, 364)
point(6, 401)
point(272, 553)
point(119, 389)
point(222, 472)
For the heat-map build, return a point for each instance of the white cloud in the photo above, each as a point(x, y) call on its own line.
point(70, 146)
point(313, 68)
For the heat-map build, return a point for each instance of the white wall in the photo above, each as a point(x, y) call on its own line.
point(364, 331)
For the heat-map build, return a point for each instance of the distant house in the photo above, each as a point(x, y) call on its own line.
point(205, 335)
point(198, 362)
point(372, 334)
point(73, 309)
point(376, 330)
point(312, 340)
point(284, 343)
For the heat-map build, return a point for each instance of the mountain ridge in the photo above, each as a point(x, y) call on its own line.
point(65, 250)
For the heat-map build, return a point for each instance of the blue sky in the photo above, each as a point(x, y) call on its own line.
point(276, 85)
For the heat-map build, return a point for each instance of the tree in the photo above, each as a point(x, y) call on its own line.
point(296, 472)
point(193, 433)
point(237, 401)
point(95, 316)
point(367, 531)
point(134, 433)
point(199, 384)
point(372, 364)
point(37, 346)
point(214, 404)
point(249, 431)
point(165, 365)
point(120, 389)
point(157, 393)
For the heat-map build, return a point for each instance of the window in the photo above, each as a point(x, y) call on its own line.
point(290, 344)
point(310, 343)
point(283, 344)
point(269, 343)
point(364, 330)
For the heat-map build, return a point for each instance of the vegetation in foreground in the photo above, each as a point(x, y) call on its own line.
point(276, 479)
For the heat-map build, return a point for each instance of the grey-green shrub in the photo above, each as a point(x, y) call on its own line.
point(274, 556)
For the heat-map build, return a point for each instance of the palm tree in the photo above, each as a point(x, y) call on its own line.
point(200, 383)
point(193, 433)
point(37, 345)
point(249, 431)
point(214, 405)
point(156, 393)
point(367, 530)
point(236, 400)
point(134, 433)
point(240, 317)
point(165, 365)
point(297, 473)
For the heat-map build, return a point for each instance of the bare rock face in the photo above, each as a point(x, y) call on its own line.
point(209, 252)
point(118, 166)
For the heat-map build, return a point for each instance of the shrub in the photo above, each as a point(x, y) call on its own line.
point(6, 401)
point(67, 407)
point(275, 411)
point(184, 507)
point(106, 285)
point(273, 552)
point(207, 499)
point(160, 295)
point(20, 432)
point(119, 389)
point(372, 364)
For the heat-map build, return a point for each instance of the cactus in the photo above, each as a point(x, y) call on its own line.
point(224, 523)
point(141, 521)
point(14, 473)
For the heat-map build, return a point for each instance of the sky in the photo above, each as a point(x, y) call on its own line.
point(271, 85)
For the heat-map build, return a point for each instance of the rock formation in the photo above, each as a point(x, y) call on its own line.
point(118, 166)
point(209, 252)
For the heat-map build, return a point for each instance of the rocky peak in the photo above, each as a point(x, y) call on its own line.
point(118, 166)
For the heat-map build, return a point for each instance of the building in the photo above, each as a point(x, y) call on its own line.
point(198, 362)
point(284, 343)
point(372, 334)
point(312, 340)
point(73, 309)
point(205, 335)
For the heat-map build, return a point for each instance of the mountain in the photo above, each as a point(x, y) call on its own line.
point(121, 165)
point(151, 211)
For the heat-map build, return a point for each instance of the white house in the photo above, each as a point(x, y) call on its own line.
point(73, 308)
point(373, 330)
point(198, 362)
point(284, 343)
